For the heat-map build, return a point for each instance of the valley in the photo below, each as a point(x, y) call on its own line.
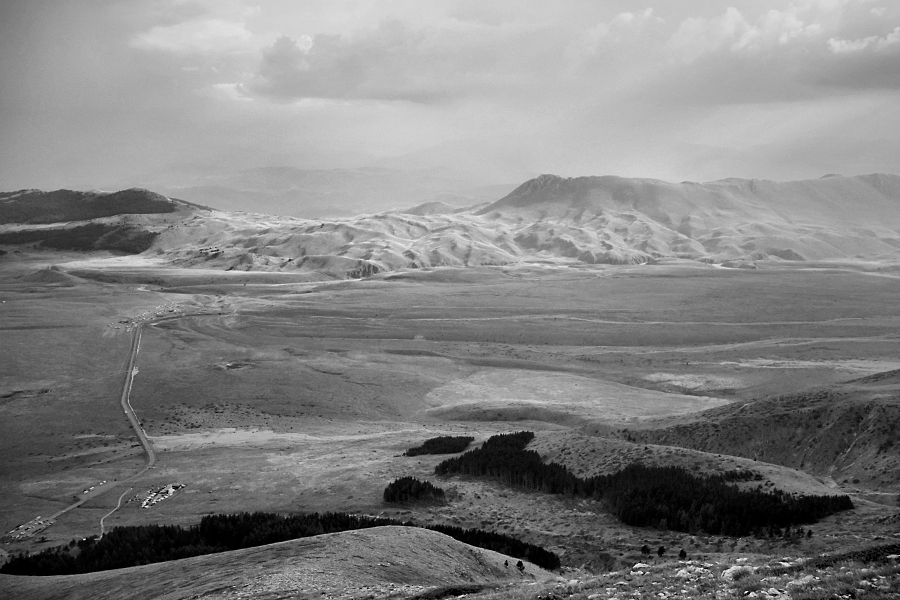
point(298, 389)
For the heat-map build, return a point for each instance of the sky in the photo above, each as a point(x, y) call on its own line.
point(99, 91)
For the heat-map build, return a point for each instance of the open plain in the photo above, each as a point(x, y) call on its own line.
point(303, 396)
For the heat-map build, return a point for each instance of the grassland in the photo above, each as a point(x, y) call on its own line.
point(303, 396)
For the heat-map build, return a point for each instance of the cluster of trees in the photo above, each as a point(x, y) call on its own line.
point(140, 545)
point(445, 444)
point(501, 543)
point(410, 489)
point(673, 498)
point(662, 497)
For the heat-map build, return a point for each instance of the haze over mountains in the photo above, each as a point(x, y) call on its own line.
point(321, 193)
point(583, 220)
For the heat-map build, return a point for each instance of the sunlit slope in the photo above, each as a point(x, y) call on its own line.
point(581, 220)
point(605, 219)
point(584, 220)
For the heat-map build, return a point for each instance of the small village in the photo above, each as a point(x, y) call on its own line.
point(158, 494)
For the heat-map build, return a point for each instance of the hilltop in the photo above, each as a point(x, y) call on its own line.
point(35, 206)
point(377, 562)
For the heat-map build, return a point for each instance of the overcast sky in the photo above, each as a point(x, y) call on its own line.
point(95, 91)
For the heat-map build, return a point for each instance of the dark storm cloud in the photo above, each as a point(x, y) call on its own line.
point(397, 62)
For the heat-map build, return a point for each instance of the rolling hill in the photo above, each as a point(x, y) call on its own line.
point(846, 431)
point(377, 561)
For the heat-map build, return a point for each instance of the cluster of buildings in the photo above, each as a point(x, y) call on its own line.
point(160, 494)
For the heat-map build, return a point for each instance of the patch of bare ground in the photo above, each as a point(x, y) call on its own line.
point(377, 562)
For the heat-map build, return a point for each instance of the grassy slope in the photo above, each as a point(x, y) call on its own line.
point(847, 431)
point(340, 563)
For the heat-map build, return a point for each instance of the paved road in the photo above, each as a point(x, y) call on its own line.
point(135, 424)
point(126, 399)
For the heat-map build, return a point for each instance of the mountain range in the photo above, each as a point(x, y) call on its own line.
point(567, 221)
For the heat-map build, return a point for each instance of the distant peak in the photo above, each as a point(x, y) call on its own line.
point(540, 182)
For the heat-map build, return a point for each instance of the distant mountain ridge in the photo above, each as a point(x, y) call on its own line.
point(324, 193)
point(549, 219)
point(833, 217)
point(35, 206)
point(856, 199)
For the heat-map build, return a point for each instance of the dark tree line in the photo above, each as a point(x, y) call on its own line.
point(139, 545)
point(662, 497)
point(410, 489)
point(445, 444)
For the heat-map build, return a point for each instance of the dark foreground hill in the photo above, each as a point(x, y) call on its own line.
point(381, 559)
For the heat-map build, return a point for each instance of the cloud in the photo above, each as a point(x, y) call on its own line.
point(624, 34)
point(396, 61)
point(198, 35)
point(872, 42)
point(807, 50)
point(733, 32)
point(579, 87)
point(622, 26)
point(697, 36)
